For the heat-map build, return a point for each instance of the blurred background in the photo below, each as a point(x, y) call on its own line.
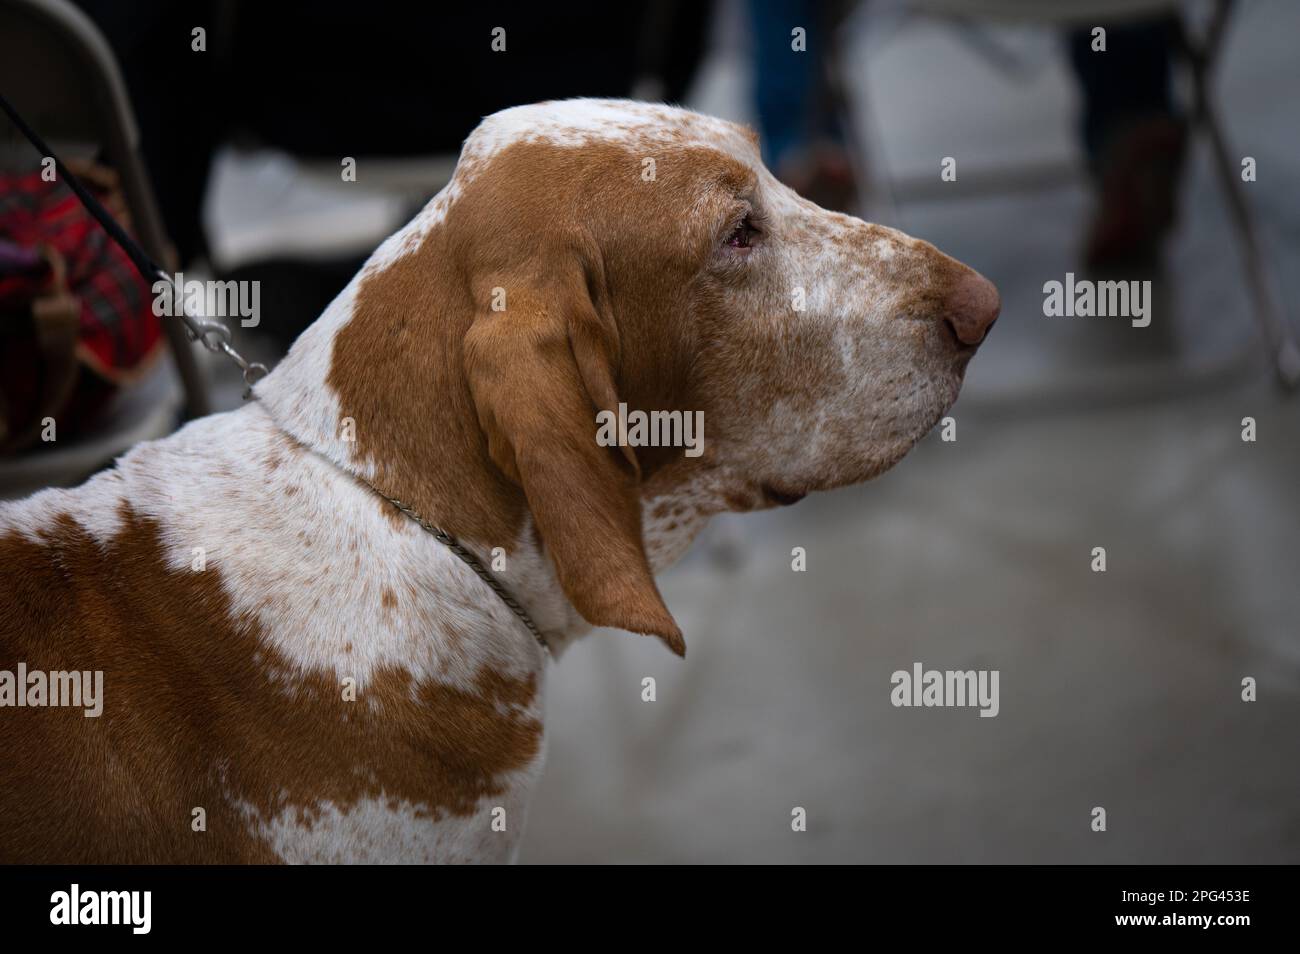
point(1120, 689)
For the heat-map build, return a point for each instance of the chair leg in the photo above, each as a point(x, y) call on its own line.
point(192, 380)
point(1272, 321)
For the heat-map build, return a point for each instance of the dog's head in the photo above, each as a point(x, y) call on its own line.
point(590, 254)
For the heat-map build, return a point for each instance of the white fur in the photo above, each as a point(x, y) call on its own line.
point(384, 831)
point(577, 122)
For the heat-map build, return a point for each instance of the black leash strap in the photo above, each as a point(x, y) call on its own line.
point(146, 266)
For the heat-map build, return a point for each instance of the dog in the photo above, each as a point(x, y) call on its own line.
point(293, 668)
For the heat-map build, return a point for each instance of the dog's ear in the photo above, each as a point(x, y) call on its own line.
point(539, 369)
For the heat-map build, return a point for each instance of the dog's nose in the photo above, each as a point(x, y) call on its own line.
point(972, 307)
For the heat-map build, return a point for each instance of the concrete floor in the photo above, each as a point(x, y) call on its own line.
point(1119, 690)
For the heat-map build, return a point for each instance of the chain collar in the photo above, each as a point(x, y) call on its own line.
point(470, 560)
point(451, 543)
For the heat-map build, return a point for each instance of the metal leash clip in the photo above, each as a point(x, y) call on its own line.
point(214, 336)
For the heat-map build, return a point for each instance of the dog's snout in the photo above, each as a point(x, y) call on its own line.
point(973, 305)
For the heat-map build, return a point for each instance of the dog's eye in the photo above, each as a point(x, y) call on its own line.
point(743, 235)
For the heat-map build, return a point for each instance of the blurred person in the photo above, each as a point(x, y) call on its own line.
point(76, 319)
point(803, 135)
point(1131, 129)
point(1135, 137)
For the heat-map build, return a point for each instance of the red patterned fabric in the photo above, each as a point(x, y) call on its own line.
point(118, 329)
point(72, 370)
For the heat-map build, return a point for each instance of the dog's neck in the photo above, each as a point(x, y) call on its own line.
point(375, 386)
point(386, 438)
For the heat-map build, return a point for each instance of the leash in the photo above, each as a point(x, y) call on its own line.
point(215, 336)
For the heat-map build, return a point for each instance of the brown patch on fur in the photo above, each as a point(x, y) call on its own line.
point(388, 599)
point(394, 516)
point(738, 501)
point(282, 447)
point(200, 711)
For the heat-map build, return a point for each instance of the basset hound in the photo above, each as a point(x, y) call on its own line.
point(293, 669)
